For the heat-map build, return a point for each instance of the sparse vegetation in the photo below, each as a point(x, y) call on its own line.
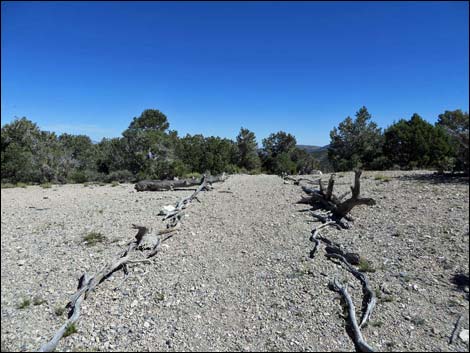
point(7, 185)
point(59, 310)
point(365, 265)
point(38, 300)
point(193, 175)
point(71, 329)
point(93, 238)
point(25, 302)
point(387, 299)
point(46, 185)
point(376, 323)
point(382, 178)
point(159, 297)
point(418, 321)
point(114, 183)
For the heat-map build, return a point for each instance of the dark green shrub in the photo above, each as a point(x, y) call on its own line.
point(78, 177)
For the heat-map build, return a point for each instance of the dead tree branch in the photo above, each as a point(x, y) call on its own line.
point(165, 185)
point(369, 300)
point(359, 341)
point(145, 243)
point(72, 317)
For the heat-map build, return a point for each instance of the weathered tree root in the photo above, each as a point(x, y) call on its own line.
point(72, 317)
point(339, 209)
point(369, 300)
point(314, 237)
point(359, 341)
point(338, 214)
point(146, 244)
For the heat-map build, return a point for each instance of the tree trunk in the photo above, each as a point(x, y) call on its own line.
point(165, 185)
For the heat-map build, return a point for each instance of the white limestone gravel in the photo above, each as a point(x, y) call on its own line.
point(237, 276)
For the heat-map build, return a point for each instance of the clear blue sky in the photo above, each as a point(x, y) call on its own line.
point(301, 67)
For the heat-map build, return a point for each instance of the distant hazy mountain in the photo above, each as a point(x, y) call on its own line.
point(311, 148)
point(320, 153)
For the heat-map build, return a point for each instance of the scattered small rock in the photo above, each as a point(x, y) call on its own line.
point(463, 335)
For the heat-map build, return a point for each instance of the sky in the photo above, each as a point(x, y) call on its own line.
point(213, 67)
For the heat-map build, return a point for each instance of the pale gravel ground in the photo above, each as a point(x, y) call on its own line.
point(237, 275)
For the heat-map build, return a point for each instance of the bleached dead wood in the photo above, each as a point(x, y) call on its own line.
point(359, 341)
point(314, 238)
point(165, 185)
point(140, 250)
point(327, 200)
point(298, 180)
point(72, 317)
point(324, 198)
point(369, 300)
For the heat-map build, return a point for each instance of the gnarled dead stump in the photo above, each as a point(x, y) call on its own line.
point(325, 199)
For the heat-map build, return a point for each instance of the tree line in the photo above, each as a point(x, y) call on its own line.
point(148, 149)
point(406, 144)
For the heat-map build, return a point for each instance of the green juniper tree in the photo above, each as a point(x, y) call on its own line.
point(456, 124)
point(247, 150)
point(356, 143)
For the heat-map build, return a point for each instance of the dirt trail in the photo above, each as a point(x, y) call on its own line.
point(250, 272)
point(237, 276)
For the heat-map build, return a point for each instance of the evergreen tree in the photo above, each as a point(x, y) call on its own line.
point(456, 124)
point(356, 143)
point(416, 144)
point(247, 150)
point(276, 153)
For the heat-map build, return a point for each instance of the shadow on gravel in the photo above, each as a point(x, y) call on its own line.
point(461, 280)
point(434, 178)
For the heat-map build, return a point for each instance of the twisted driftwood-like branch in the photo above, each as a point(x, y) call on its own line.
point(369, 300)
point(298, 180)
point(314, 237)
point(359, 341)
point(337, 209)
point(165, 185)
point(144, 243)
point(72, 317)
point(327, 200)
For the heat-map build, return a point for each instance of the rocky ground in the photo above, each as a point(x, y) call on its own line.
point(237, 276)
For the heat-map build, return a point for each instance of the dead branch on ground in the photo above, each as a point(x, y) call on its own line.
point(359, 341)
point(140, 250)
point(165, 185)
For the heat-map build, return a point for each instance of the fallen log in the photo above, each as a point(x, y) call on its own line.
point(165, 185)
